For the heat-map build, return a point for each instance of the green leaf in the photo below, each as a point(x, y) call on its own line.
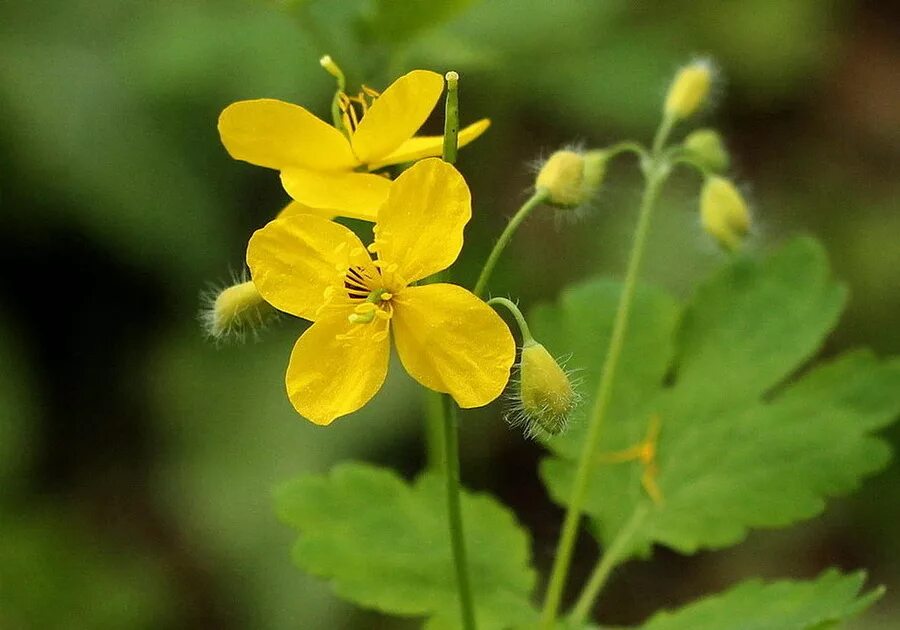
point(742, 445)
point(384, 544)
point(783, 605)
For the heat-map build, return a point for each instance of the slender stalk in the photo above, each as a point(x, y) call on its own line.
point(534, 201)
point(517, 315)
point(454, 512)
point(662, 134)
point(434, 430)
point(604, 567)
point(655, 174)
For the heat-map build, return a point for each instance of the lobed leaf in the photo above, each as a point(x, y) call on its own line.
point(383, 544)
point(784, 605)
point(741, 444)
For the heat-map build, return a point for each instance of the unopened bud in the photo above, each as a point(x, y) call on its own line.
point(689, 90)
point(545, 396)
point(236, 310)
point(570, 178)
point(724, 213)
point(595, 169)
point(705, 146)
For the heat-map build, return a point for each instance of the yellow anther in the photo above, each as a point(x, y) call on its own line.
point(383, 314)
point(386, 296)
point(365, 307)
point(370, 92)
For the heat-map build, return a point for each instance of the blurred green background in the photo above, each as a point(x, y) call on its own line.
point(137, 460)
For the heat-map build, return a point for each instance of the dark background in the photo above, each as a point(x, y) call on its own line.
point(137, 459)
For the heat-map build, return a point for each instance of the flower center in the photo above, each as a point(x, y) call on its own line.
point(373, 300)
point(353, 108)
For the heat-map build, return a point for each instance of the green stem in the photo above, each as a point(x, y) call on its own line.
point(655, 173)
point(534, 201)
point(608, 561)
point(434, 430)
point(527, 339)
point(454, 512)
point(451, 118)
point(662, 134)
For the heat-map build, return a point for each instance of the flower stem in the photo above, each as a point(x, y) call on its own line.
point(535, 200)
point(517, 314)
point(454, 512)
point(608, 561)
point(655, 172)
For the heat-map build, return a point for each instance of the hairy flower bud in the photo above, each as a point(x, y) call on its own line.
point(562, 177)
point(545, 395)
point(706, 147)
point(236, 310)
point(689, 90)
point(724, 213)
point(595, 169)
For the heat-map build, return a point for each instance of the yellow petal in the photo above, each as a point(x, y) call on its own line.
point(331, 375)
point(452, 342)
point(279, 135)
point(295, 208)
point(429, 146)
point(397, 114)
point(293, 259)
point(420, 226)
point(354, 195)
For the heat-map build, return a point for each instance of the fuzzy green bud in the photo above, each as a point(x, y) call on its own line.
point(595, 169)
point(236, 310)
point(724, 213)
point(562, 177)
point(546, 396)
point(706, 147)
point(689, 90)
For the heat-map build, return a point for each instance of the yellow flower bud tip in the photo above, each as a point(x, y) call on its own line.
point(705, 146)
point(689, 89)
point(571, 177)
point(232, 312)
point(724, 213)
point(544, 395)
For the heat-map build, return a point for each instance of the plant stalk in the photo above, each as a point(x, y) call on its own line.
point(454, 512)
point(655, 174)
point(521, 214)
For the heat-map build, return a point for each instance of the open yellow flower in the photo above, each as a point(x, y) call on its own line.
point(322, 167)
point(448, 339)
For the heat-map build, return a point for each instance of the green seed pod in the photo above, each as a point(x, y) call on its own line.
point(724, 213)
point(706, 147)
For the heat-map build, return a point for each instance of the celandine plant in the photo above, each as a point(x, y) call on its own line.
point(692, 424)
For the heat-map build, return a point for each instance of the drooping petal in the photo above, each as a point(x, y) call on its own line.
point(397, 114)
point(420, 227)
point(295, 207)
point(429, 146)
point(337, 367)
point(293, 259)
point(354, 195)
point(279, 135)
point(452, 342)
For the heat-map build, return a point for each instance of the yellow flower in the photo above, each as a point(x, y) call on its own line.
point(447, 339)
point(322, 167)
